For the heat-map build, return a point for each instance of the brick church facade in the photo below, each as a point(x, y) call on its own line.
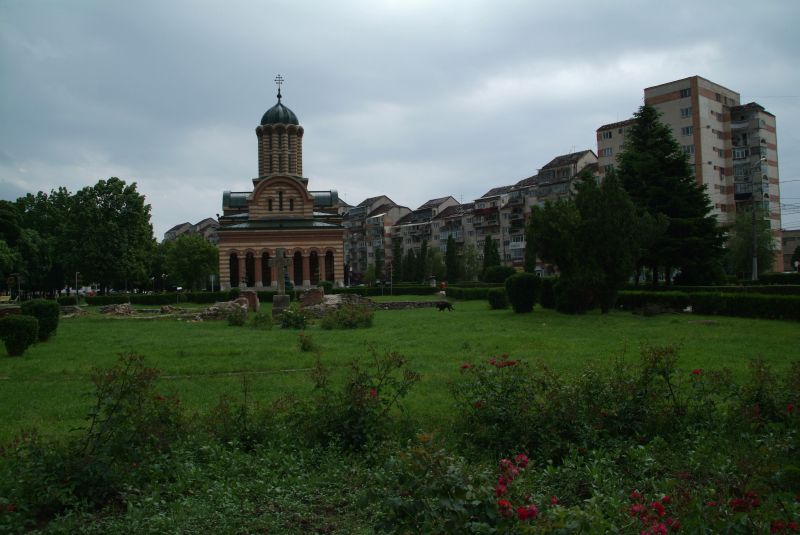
point(280, 213)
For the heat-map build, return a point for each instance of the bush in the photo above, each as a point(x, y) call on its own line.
point(261, 320)
point(780, 278)
point(18, 333)
point(348, 317)
point(547, 298)
point(67, 300)
point(523, 291)
point(327, 286)
point(237, 317)
point(574, 295)
point(497, 298)
point(784, 307)
point(305, 343)
point(469, 293)
point(102, 300)
point(362, 409)
point(47, 312)
point(632, 300)
point(498, 274)
point(293, 318)
point(233, 294)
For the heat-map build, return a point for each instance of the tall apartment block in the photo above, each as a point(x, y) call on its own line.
point(732, 148)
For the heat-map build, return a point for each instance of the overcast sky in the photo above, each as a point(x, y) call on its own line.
point(413, 99)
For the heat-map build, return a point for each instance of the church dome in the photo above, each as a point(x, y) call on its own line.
point(279, 114)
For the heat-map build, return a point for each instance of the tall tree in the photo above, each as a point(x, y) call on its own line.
point(410, 266)
point(741, 242)
point(491, 254)
point(110, 233)
point(422, 262)
point(435, 266)
point(379, 263)
point(190, 260)
point(397, 260)
point(470, 263)
point(656, 173)
point(451, 260)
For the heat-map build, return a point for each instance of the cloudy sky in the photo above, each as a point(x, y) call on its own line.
point(414, 99)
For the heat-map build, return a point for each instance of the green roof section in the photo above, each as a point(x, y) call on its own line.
point(279, 224)
point(234, 199)
point(324, 199)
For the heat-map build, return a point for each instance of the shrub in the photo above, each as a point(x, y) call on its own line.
point(498, 274)
point(102, 300)
point(234, 293)
point(261, 320)
point(547, 298)
point(780, 278)
point(786, 307)
point(46, 311)
point(363, 409)
point(305, 343)
point(497, 298)
point(675, 301)
point(18, 333)
point(574, 295)
point(237, 316)
point(327, 286)
point(523, 291)
point(67, 300)
point(293, 318)
point(466, 292)
point(348, 317)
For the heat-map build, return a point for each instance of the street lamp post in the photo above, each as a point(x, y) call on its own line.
point(753, 216)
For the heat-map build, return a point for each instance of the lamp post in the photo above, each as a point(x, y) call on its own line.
point(753, 216)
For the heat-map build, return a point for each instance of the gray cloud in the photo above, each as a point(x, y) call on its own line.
point(411, 98)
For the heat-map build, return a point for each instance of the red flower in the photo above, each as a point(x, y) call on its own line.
point(673, 524)
point(10, 508)
point(373, 392)
point(666, 500)
point(658, 508)
point(792, 526)
point(790, 408)
point(637, 509)
point(522, 460)
point(711, 504)
point(466, 366)
point(528, 512)
point(553, 500)
point(776, 526)
point(697, 371)
point(500, 490)
point(660, 529)
point(739, 505)
point(635, 496)
point(478, 404)
point(493, 361)
point(504, 506)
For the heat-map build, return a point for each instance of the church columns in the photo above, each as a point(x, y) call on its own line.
point(274, 155)
point(306, 270)
point(284, 152)
point(299, 151)
point(257, 269)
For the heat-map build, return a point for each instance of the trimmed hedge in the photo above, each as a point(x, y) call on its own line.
point(779, 289)
point(366, 291)
point(523, 291)
point(780, 307)
point(498, 274)
point(747, 305)
point(46, 312)
point(780, 278)
point(497, 298)
point(18, 332)
point(547, 297)
point(457, 292)
point(67, 300)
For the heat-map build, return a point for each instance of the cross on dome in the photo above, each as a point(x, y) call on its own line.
point(279, 82)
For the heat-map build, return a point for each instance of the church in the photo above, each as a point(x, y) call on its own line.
point(280, 213)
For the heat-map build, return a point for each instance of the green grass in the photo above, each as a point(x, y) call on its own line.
point(48, 388)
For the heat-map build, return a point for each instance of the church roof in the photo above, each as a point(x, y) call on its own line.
point(279, 114)
point(283, 224)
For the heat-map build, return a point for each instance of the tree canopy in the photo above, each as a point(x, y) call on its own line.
point(655, 172)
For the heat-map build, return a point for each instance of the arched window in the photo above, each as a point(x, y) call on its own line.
point(280, 201)
point(297, 265)
point(329, 266)
point(291, 205)
point(266, 271)
point(233, 264)
point(269, 204)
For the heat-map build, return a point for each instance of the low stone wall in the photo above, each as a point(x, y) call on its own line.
point(403, 305)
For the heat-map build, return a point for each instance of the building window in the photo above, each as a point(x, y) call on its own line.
point(687, 130)
point(688, 149)
point(608, 168)
point(608, 151)
point(280, 201)
point(719, 97)
point(686, 112)
point(269, 204)
point(291, 205)
point(686, 93)
point(739, 154)
point(607, 134)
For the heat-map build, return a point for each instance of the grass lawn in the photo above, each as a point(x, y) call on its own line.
point(48, 388)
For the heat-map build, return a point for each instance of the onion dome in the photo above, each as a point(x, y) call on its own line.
point(279, 114)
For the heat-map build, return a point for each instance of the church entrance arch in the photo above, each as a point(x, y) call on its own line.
point(313, 264)
point(266, 271)
point(234, 270)
point(297, 268)
point(329, 266)
point(250, 270)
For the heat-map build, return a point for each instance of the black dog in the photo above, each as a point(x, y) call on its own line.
point(444, 305)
